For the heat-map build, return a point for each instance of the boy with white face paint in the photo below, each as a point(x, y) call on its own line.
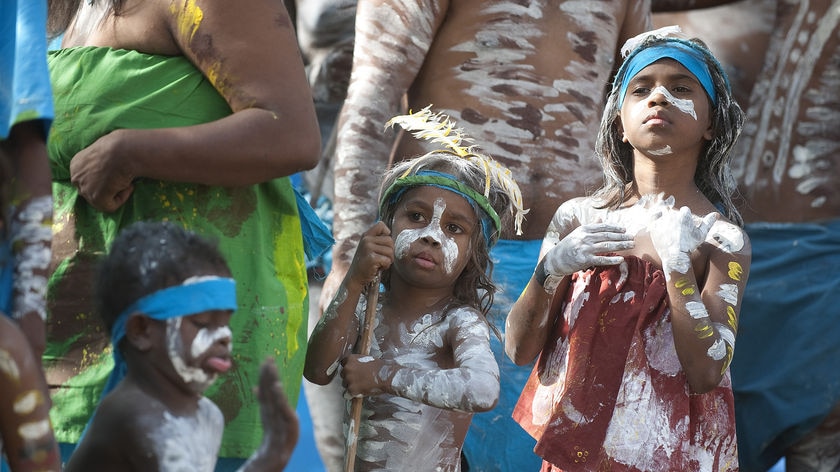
point(634, 305)
point(430, 367)
point(167, 297)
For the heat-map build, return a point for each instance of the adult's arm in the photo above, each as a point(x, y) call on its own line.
point(392, 40)
point(30, 227)
point(248, 50)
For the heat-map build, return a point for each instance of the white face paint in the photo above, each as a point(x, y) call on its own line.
point(661, 152)
point(204, 338)
point(683, 105)
point(435, 233)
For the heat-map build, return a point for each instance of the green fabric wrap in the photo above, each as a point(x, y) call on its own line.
point(98, 90)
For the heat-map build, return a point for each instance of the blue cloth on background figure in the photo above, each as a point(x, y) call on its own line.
point(495, 442)
point(784, 373)
point(25, 91)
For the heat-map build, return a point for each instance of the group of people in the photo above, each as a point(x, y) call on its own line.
point(540, 259)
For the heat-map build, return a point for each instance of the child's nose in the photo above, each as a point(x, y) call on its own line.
point(658, 96)
point(431, 240)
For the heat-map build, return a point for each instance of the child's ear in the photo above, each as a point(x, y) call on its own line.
point(620, 127)
point(139, 332)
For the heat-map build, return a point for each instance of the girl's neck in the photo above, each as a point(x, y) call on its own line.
point(672, 176)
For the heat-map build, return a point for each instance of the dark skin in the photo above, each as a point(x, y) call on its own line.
point(153, 392)
point(271, 133)
point(25, 156)
point(24, 402)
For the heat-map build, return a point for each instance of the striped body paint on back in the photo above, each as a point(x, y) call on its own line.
point(487, 65)
point(789, 169)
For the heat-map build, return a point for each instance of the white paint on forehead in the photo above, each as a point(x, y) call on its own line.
point(434, 232)
point(175, 350)
point(27, 402)
point(726, 236)
point(189, 443)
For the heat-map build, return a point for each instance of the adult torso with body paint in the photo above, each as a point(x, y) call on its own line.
point(525, 81)
point(787, 164)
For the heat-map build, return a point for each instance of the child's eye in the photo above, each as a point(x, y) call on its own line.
point(681, 89)
point(641, 91)
point(454, 229)
point(416, 216)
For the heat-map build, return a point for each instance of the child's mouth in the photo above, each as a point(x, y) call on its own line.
point(219, 364)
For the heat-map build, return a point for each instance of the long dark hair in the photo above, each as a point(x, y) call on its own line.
point(713, 175)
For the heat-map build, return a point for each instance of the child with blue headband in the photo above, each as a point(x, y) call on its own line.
point(430, 366)
point(167, 296)
point(633, 309)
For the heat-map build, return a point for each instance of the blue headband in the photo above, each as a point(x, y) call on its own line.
point(679, 50)
point(490, 223)
point(217, 293)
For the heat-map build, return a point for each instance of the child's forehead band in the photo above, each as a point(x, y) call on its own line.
point(448, 182)
point(189, 298)
point(679, 50)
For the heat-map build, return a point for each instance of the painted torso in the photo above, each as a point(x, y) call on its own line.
point(446, 370)
point(536, 113)
point(189, 443)
point(486, 65)
point(787, 159)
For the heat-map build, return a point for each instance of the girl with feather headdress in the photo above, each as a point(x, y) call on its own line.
point(430, 366)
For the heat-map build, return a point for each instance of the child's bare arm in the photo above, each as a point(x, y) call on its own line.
point(704, 314)
point(279, 422)
point(336, 333)
point(471, 385)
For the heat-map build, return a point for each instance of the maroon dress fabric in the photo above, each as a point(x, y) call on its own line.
point(608, 392)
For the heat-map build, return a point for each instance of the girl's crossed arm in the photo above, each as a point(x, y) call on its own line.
point(472, 384)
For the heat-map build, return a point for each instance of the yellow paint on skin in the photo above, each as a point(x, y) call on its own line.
point(733, 320)
point(684, 287)
point(704, 330)
point(27, 402)
point(9, 366)
point(727, 360)
point(189, 18)
point(735, 271)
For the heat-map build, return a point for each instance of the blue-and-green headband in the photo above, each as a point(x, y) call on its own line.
point(686, 53)
point(210, 293)
point(491, 225)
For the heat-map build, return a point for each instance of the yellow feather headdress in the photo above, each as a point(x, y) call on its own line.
point(439, 128)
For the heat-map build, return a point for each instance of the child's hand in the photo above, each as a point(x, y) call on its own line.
point(675, 233)
point(279, 422)
point(583, 248)
point(364, 375)
point(374, 254)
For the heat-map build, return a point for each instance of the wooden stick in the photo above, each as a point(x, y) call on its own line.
point(364, 349)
